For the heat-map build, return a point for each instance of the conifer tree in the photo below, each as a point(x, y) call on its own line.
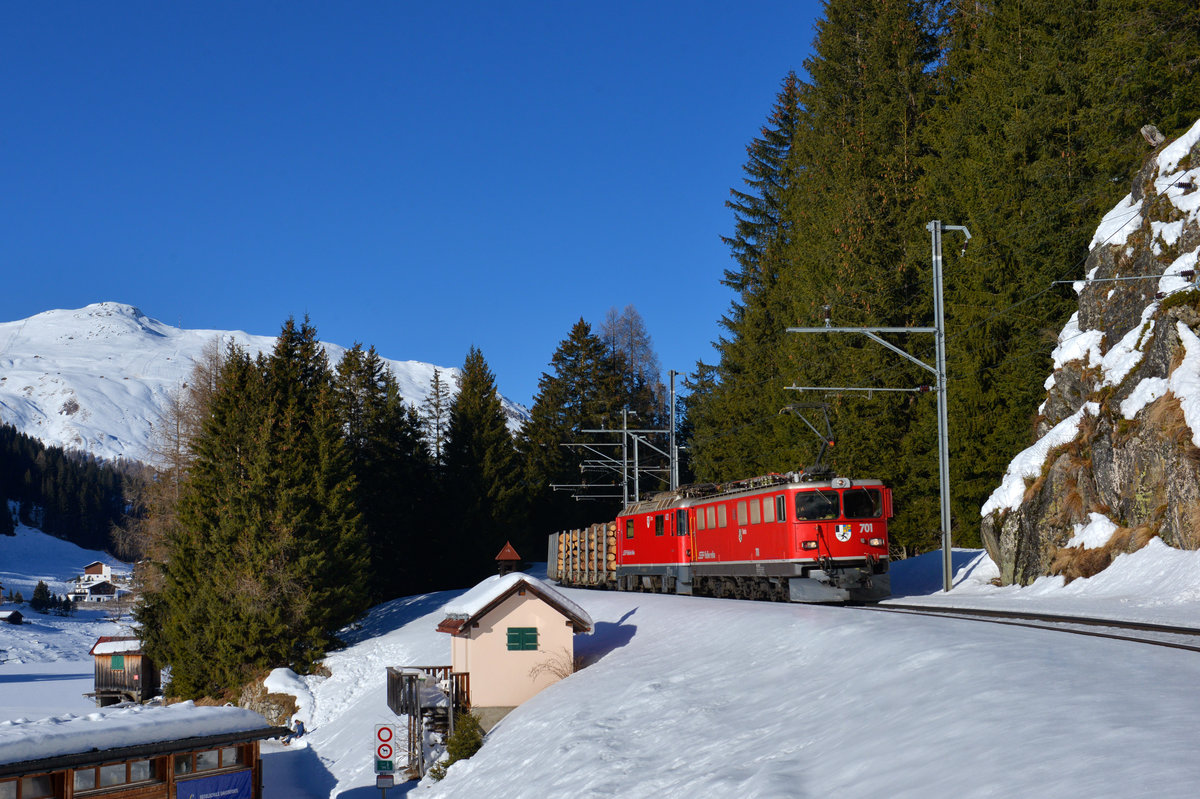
point(1036, 138)
point(267, 558)
point(482, 475)
point(569, 400)
point(392, 467)
point(435, 409)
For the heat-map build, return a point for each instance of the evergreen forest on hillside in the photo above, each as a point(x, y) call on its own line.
point(67, 494)
point(1019, 120)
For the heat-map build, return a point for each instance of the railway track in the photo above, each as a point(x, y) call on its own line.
point(1138, 632)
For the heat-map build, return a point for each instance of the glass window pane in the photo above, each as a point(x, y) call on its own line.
point(781, 508)
point(207, 760)
point(722, 516)
point(36, 787)
point(741, 512)
point(816, 505)
point(140, 770)
point(113, 774)
point(629, 528)
point(712, 517)
point(231, 756)
point(863, 503)
point(681, 522)
point(85, 779)
point(8, 790)
point(183, 764)
point(754, 516)
point(658, 524)
point(768, 509)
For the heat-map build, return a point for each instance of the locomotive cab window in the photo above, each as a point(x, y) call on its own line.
point(862, 503)
point(658, 524)
point(681, 522)
point(629, 528)
point(817, 505)
point(781, 508)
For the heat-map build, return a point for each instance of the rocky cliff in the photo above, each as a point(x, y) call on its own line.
point(1117, 456)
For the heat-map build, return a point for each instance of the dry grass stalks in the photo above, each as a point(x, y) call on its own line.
point(1075, 562)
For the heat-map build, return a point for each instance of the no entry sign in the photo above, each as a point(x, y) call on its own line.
point(385, 749)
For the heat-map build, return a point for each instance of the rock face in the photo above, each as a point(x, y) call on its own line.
point(1117, 433)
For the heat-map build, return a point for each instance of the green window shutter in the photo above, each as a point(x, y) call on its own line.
point(521, 639)
point(118, 663)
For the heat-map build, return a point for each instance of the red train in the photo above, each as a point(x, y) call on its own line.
point(795, 537)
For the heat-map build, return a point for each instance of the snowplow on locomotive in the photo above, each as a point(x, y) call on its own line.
point(796, 537)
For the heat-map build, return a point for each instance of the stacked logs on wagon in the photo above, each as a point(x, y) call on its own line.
point(588, 556)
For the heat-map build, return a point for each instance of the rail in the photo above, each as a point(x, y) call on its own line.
point(1170, 636)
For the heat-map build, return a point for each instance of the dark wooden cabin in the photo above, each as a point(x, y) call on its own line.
point(123, 672)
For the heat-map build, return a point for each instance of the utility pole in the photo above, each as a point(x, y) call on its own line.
point(938, 369)
point(935, 229)
point(674, 450)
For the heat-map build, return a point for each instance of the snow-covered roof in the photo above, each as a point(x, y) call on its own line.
point(491, 591)
point(116, 646)
point(112, 728)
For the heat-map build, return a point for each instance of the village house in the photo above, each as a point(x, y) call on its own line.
point(96, 584)
point(138, 752)
point(513, 635)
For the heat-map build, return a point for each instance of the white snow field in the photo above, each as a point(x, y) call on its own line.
point(688, 697)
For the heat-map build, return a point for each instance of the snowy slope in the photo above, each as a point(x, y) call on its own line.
point(688, 697)
point(98, 377)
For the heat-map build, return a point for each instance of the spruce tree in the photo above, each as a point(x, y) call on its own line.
point(392, 467)
point(435, 409)
point(482, 476)
point(569, 400)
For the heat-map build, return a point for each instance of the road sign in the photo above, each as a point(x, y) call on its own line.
point(384, 749)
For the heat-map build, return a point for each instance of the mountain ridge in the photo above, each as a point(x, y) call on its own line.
point(96, 378)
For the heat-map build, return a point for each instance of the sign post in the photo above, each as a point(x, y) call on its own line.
point(385, 757)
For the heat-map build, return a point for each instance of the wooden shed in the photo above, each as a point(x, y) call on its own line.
point(123, 672)
point(11, 616)
point(161, 753)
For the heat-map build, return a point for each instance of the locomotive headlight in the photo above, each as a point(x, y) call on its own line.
point(808, 544)
point(875, 542)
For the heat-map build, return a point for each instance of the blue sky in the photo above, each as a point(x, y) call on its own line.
point(423, 177)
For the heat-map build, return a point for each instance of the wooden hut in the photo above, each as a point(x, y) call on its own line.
point(123, 672)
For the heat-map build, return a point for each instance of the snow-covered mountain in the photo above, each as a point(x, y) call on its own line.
point(97, 378)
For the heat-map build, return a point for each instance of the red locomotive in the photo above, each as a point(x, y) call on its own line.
point(798, 537)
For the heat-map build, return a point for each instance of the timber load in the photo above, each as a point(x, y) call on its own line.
point(585, 558)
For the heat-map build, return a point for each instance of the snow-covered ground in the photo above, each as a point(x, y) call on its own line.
point(688, 697)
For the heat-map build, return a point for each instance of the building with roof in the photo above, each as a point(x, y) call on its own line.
point(513, 635)
point(124, 673)
point(136, 752)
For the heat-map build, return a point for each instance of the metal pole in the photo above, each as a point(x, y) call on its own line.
point(672, 449)
point(939, 323)
point(625, 457)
